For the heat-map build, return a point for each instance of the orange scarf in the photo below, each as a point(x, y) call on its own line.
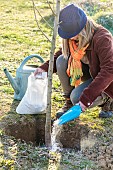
point(74, 69)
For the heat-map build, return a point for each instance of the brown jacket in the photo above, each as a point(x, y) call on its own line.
point(100, 56)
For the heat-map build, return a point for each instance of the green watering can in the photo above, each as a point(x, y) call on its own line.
point(19, 83)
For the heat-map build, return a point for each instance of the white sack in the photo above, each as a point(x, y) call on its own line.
point(35, 98)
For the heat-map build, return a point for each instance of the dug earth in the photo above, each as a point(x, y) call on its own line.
point(75, 135)
point(31, 128)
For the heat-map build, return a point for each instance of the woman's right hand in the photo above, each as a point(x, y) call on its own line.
point(83, 107)
point(38, 70)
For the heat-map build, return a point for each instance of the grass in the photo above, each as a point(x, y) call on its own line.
point(20, 37)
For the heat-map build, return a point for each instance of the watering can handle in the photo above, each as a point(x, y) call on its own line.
point(29, 57)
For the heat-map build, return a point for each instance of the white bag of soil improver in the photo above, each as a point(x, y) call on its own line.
point(35, 98)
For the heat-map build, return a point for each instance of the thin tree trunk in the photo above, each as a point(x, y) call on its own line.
point(50, 72)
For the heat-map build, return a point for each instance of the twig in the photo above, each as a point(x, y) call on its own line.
point(51, 8)
point(38, 22)
point(43, 17)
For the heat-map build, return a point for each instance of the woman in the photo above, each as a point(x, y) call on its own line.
point(85, 68)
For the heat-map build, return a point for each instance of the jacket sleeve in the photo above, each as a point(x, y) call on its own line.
point(45, 66)
point(104, 51)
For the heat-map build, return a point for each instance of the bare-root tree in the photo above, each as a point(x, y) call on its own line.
point(51, 61)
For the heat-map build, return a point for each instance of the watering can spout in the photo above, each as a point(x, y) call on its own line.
point(12, 81)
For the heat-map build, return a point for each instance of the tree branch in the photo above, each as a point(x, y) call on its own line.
point(34, 8)
point(51, 8)
point(43, 17)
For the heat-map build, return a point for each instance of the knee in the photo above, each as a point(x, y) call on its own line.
point(59, 60)
point(61, 63)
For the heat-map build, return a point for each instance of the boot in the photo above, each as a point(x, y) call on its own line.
point(68, 104)
point(107, 109)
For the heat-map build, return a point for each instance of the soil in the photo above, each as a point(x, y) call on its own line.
point(29, 129)
point(96, 146)
point(33, 129)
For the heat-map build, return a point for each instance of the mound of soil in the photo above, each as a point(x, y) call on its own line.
point(96, 146)
point(32, 128)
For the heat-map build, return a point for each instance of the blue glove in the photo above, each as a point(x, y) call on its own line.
point(71, 114)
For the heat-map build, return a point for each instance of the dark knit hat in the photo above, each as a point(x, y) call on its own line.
point(72, 20)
